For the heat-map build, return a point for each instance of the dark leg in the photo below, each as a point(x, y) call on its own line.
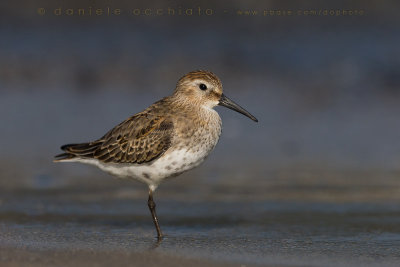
point(152, 207)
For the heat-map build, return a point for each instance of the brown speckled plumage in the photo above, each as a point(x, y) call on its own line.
point(147, 135)
point(139, 139)
point(171, 136)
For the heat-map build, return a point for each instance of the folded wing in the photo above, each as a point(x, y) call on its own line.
point(141, 138)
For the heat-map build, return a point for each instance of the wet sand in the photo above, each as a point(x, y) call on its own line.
point(31, 257)
point(206, 225)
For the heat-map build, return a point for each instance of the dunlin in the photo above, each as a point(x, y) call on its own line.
point(172, 136)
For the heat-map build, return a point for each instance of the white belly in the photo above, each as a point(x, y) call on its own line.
point(172, 163)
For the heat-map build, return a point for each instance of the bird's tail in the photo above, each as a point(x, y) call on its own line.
point(84, 150)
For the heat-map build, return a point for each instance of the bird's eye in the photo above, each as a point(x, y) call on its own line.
point(202, 86)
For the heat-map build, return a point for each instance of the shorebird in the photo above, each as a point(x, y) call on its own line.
point(173, 135)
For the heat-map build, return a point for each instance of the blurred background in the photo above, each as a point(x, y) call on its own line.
point(325, 88)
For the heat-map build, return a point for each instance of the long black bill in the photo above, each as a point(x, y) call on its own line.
point(226, 102)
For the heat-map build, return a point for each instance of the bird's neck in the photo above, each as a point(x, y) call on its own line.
point(200, 113)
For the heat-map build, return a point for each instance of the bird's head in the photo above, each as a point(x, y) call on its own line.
point(204, 88)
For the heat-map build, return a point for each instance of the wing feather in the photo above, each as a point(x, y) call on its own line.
point(136, 140)
point(141, 138)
